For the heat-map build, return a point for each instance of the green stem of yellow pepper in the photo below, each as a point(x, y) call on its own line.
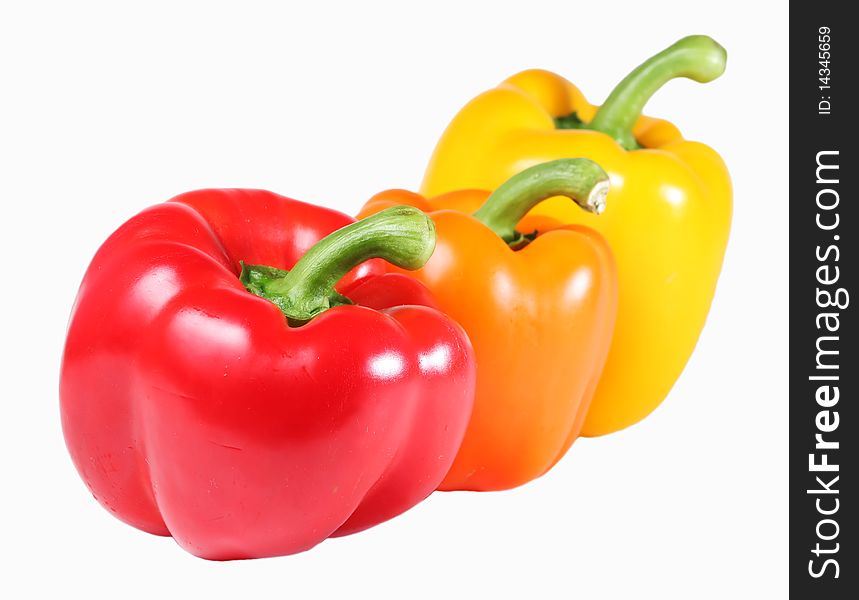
point(696, 57)
point(580, 179)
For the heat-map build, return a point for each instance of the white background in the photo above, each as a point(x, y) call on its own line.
point(106, 110)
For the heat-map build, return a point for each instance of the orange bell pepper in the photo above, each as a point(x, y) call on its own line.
point(539, 309)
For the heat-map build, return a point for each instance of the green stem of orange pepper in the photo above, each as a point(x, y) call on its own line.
point(580, 179)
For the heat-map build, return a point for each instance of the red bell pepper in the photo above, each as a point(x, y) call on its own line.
point(194, 408)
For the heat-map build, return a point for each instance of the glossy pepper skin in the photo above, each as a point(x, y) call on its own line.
point(539, 315)
point(667, 219)
point(194, 408)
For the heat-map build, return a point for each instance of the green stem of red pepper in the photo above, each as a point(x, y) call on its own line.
point(696, 57)
point(401, 235)
point(580, 179)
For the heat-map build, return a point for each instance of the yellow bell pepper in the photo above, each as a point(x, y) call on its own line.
point(667, 220)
